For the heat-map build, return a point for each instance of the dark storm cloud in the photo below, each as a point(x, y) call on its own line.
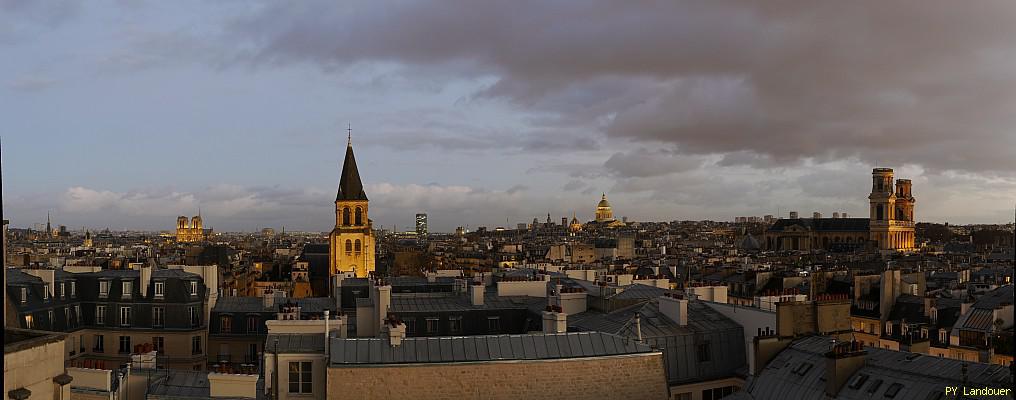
point(923, 82)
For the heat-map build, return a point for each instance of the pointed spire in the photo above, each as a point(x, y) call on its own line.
point(350, 186)
point(349, 135)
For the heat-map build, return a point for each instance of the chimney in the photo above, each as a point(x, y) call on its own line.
point(555, 320)
point(929, 303)
point(268, 298)
point(675, 307)
point(638, 327)
point(793, 215)
point(337, 290)
point(836, 214)
point(382, 299)
point(816, 215)
point(145, 280)
point(841, 363)
point(395, 330)
point(476, 293)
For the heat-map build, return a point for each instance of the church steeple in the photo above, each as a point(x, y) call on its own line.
point(350, 187)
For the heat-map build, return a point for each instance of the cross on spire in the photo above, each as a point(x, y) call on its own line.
point(349, 134)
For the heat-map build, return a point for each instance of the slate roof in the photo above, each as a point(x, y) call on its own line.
point(798, 372)
point(16, 277)
point(824, 224)
point(420, 302)
point(536, 346)
point(350, 187)
point(296, 343)
point(182, 384)
point(237, 304)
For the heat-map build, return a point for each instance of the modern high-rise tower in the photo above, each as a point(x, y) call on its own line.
point(351, 243)
point(421, 224)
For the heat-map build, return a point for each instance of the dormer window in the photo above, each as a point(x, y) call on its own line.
point(63, 293)
point(194, 288)
point(24, 295)
point(889, 328)
point(943, 337)
point(45, 293)
point(160, 289)
point(126, 286)
point(74, 289)
point(103, 289)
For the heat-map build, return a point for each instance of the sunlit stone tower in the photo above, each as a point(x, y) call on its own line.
point(351, 243)
point(891, 211)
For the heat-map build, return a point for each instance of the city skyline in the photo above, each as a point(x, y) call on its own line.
point(127, 115)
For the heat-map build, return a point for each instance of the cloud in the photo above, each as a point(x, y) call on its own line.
point(644, 163)
point(31, 83)
point(930, 83)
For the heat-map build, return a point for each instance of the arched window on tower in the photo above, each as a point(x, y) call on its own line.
point(356, 247)
point(345, 216)
point(879, 213)
point(349, 246)
point(359, 216)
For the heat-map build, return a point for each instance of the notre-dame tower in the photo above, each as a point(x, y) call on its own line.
point(351, 243)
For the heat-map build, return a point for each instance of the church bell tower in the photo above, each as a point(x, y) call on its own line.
point(351, 243)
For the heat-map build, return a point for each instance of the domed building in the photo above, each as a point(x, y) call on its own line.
point(603, 211)
point(575, 225)
point(605, 214)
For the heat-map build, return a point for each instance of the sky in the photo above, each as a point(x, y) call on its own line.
point(125, 114)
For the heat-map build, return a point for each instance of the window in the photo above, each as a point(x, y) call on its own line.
point(158, 316)
point(159, 343)
point(24, 295)
point(893, 389)
point(126, 293)
point(300, 377)
point(68, 321)
point(359, 216)
point(160, 289)
point(252, 353)
point(874, 386)
point(493, 324)
point(704, 351)
point(252, 324)
point(433, 325)
point(194, 288)
point(52, 321)
point(74, 289)
point(81, 343)
point(349, 246)
point(345, 216)
point(77, 314)
point(195, 318)
point(356, 246)
point(100, 315)
point(455, 324)
point(103, 289)
point(196, 345)
point(125, 316)
point(125, 344)
point(226, 324)
point(63, 293)
point(100, 344)
point(410, 326)
point(802, 369)
point(28, 321)
point(45, 293)
point(718, 393)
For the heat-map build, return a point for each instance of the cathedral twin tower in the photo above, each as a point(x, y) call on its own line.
point(351, 243)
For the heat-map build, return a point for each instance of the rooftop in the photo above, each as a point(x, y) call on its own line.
point(535, 346)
